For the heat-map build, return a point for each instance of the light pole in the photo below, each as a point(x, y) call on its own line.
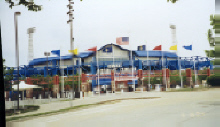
point(47, 54)
point(70, 21)
point(17, 49)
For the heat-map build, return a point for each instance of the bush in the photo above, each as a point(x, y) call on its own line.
point(176, 80)
point(146, 80)
point(157, 80)
point(213, 80)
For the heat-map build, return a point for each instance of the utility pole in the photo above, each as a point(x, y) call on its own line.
point(17, 49)
point(70, 21)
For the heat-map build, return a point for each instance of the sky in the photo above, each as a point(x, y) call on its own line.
point(99, 22)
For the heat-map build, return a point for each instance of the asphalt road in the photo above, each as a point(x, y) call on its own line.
point(173, 109)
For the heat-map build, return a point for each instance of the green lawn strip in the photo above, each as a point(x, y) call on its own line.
point(28, 108)
point(72, 108)
point(66, 100)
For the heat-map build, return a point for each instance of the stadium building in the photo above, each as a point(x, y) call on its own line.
point(111, 57)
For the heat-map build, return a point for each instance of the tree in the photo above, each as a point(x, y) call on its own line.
point(34, 7)
point(210, 53)
point(172, 1)
point(30, 5)
point(4, 67)
point(213, 80)
point(8, 76)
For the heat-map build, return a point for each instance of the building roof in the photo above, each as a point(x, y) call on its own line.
point(39, 61)
point(85, 54)
point(155, 54)
point(114, 45)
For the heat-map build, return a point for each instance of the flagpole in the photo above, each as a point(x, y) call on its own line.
point(148, 65)
point(164, 77)
point(79, 62)
point(179, 62)
point(113, 67)
point(97, 69)
point(62, 76)
point(194, 65)
point(132, 71)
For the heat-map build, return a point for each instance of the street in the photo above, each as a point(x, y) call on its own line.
point(172, 109)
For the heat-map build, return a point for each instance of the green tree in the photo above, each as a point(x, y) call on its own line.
point(172, 1)
point(8, 76)
point(27, 3)
point(210, 53)
point(213, 80)
point(30, 5)
point(34, 7)
point(4, 67)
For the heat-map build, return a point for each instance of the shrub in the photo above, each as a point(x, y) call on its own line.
point(175, 80)
point(213, 80)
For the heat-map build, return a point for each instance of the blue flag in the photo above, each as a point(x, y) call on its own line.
point(189, 47)
point(56, 52)
point(141, 48)
point(107, 49)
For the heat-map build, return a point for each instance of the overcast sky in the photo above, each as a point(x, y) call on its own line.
point(99, 22)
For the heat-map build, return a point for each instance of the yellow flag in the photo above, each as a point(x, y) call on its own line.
point(75, 51)
point(173, 47)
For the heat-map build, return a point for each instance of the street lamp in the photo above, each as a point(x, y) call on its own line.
point(47, 54)
point(70, 21)
point(17, 49)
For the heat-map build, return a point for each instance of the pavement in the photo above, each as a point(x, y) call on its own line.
point(182, 109)
point(57, 105)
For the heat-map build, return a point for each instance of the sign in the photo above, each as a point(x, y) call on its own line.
point(112, 66)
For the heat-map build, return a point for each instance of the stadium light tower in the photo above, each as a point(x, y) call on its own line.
point(174, 42)
point(30, 31)
point(173, 32)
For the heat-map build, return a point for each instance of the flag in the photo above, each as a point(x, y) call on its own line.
point(107, 49)
point(142, 48)
point(75, 51)
point(174, 47)
point(157, 47)
point(122, 40)
point(56, 52)
point(92, 49)
point(189, 47)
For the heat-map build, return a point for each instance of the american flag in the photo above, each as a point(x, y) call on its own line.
point(122, 40)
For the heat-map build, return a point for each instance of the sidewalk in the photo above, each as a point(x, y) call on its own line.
point(54, 106)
